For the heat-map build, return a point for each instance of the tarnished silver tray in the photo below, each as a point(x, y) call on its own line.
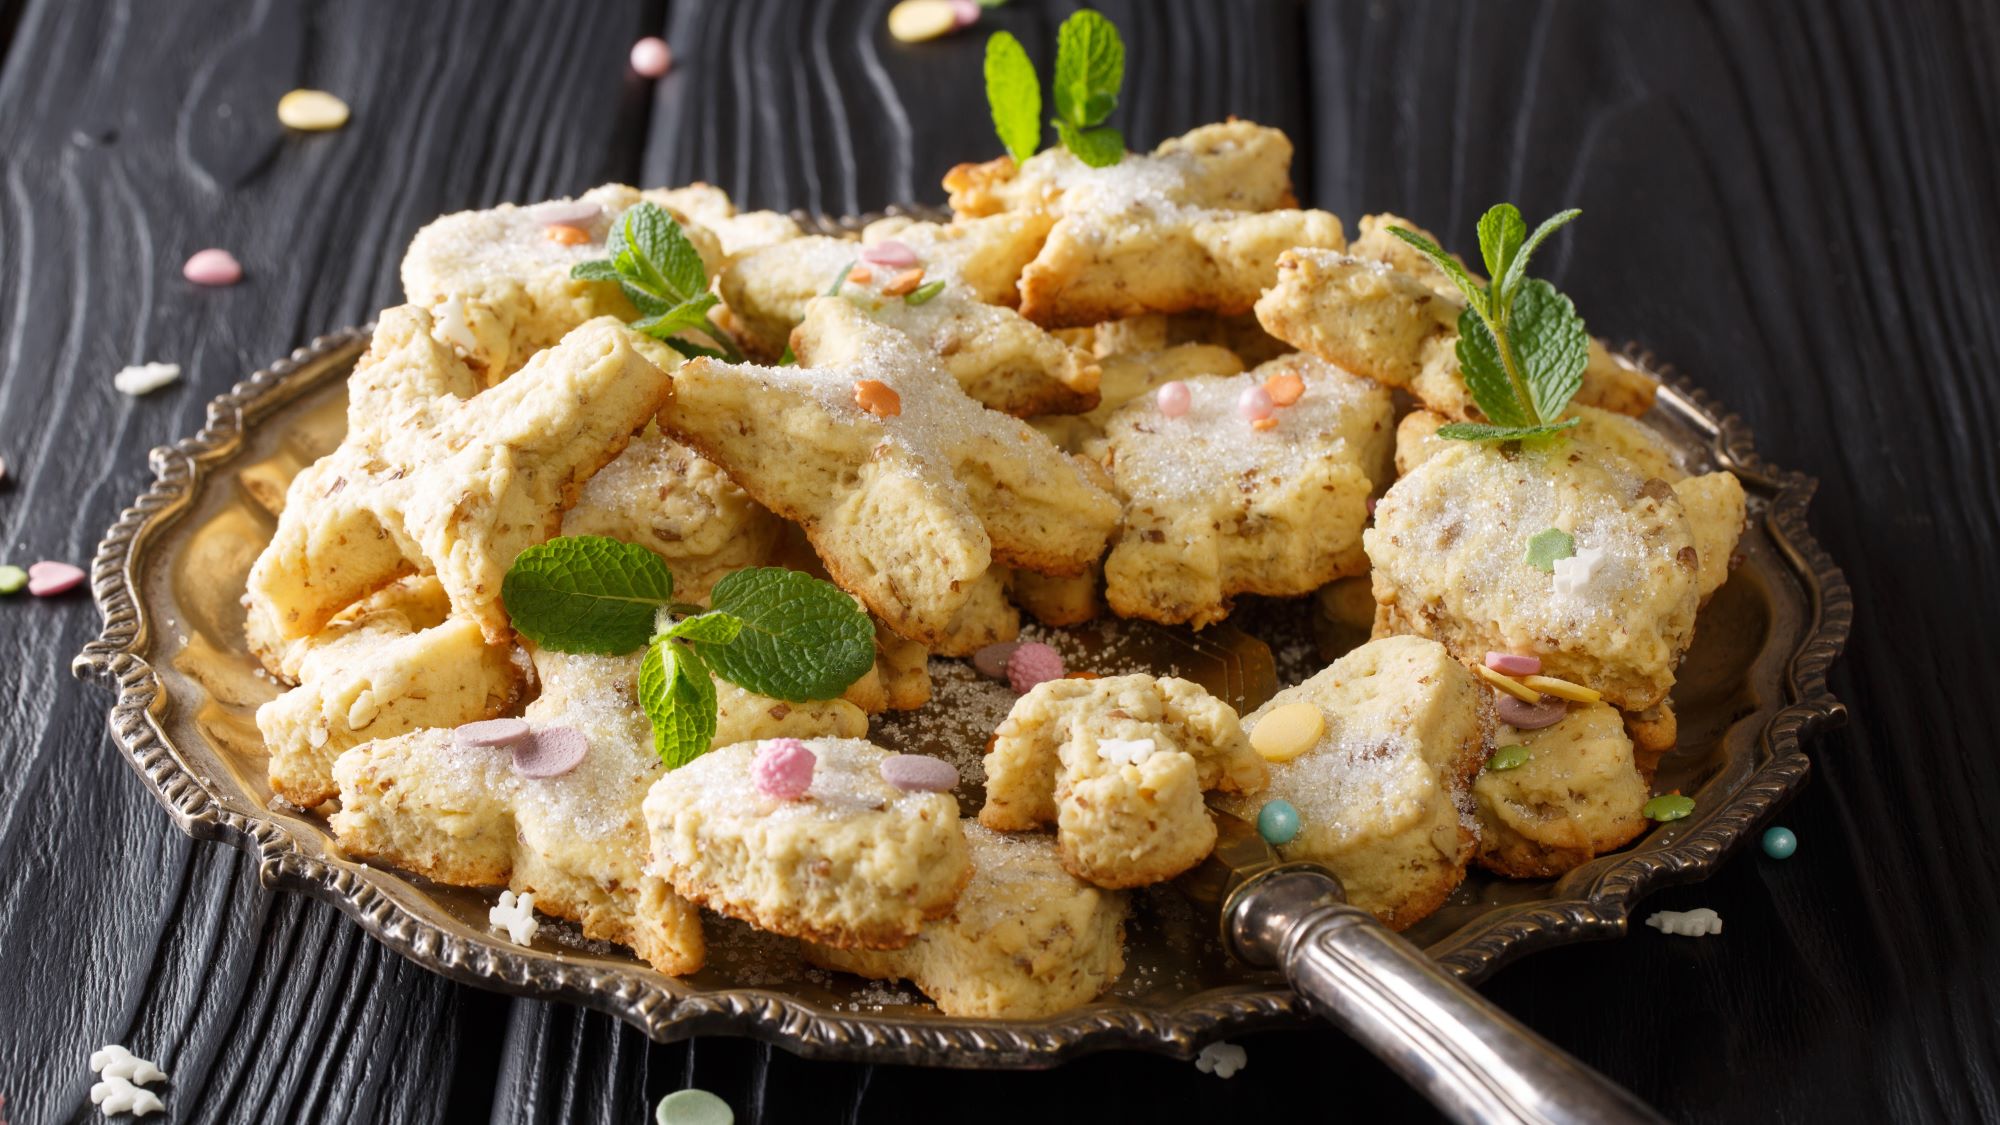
point(168, 575)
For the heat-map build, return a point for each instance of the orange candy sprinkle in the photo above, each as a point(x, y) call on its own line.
point(877, 398)
point(903, 283)
point(859, 275)
point(565, 235)
point(1284, 389)
point(1264, 424)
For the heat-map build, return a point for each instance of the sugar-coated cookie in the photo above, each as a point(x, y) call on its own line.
point(1578, 795)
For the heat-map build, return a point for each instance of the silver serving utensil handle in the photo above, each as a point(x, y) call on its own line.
point(1472, 1060)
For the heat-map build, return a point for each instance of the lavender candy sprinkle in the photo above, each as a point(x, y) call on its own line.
point(1530, 716)
point(917, 773)
point(551, 752)
point(490, 733)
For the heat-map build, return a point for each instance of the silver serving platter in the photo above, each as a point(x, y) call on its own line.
point(168, 576)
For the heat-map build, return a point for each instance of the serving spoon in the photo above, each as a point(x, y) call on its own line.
point(1472, 1060)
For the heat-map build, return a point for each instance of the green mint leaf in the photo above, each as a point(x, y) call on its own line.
point(923, 293)
point(1517, 266)
point(1550, 346)
point(597, 269)
point(1100, 147)
point(1485, 373)
point(803, 638)
point(586, 593)
point(1090, 68)
point(690, 350)
point(1480, 431)
point(1501, 232)
point(790, 358)
point(679, 697)
point(1475, 294)
point(1014, 95)
point(686, 316)
point(650, 248)
point(713, 627)
point(1546, 546)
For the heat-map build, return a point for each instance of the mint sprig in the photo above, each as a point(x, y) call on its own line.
point(1089, 72)
point(772, 631)
point(1521, 346)
point(660, 272)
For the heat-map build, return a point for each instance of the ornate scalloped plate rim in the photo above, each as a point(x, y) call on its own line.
point(649, 1001)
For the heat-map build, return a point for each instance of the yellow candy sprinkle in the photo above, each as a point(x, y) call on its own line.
point(1562, 689)
point(914, 21)
point(313, 111)
point(1508, 684)
point(1287, 732)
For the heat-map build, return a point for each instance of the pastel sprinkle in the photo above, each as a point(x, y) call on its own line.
point(1288, 731)
point(903, 282)
point(693, 1107)
point(1514, 664)
point(565, 212)
point(1278, 822)
point(1175, 398)
point(1509, 758)
point(12, 579)
point(651, 57)
point(914, 21)
point(550, 752)
point(1254, 404)
point(1780, 843)
point(47, 579)
point(919, 773)
point(1507, 684)
point(1222, 1059)
point(1285, 389)
point(1033, 663)
point(1545, 547)
point(1562, 689)
point(212, 267)
point(1668, 806)
point(992, 659)
point(893, 253)
point(488, 734)
point(562, 234)
point(1530, 716)
point(145, 378)
point(312, 111)
point(1699, 922)
point(966, 12)
point(783, 769)
point(877, 398)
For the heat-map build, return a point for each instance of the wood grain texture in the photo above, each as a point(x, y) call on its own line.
point(1789, 199)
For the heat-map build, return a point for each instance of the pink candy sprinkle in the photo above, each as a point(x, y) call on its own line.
point(965, 13)
point(47, 579)
point(564, 212)
point(1514, 664)
point(890, 252)
point(919, 773)
point(651, 57)
point(550, 752)
point(213, 267)
point(1530, 716)
point(1175, 398)
point(783, 769)
point(1033, 663)
point(489, 733)
point(1255, 404)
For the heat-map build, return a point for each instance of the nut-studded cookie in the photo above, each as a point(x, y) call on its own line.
point(1578, 795)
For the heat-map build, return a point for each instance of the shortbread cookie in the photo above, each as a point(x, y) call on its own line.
point(1383, 795)
point(1242, 335)
point(1131, 376)
point(1716, 509)
point(855, 862)
point(909, 507)
point(1230, 165)
point(1026, 939)
point(1215, 508)
point(435, 479)
point(1449, 549)
point(986, 255)
point(667, 498)
point(1578, 795)
point(1118, 764)
point(393, 663)
point(999, 358)
point(498, 287)
point(737, 232)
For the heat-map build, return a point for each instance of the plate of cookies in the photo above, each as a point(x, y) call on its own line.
point(853, 632)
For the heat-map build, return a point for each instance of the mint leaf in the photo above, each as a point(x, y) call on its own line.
point(1551, 346)
point(1485, 372)
point(803, 638)
point(1517, 267)
point(1100, 147)
point(586, 593)
point(1480, 431)
point(660, 272)
point(1090, 68)
point(679, 697)
point(1475, 294)
point(597, 269)
point(1501, 232)
point(1014, 95)
point(713, 627)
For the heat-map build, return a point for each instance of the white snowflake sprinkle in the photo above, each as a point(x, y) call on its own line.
point(1573, 574)
point(516, 915)
point(146, 378)
point(1686, 923)
point(1222, 1059)
point(1125, 751)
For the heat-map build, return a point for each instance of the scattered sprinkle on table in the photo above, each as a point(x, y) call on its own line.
point(1287, 732)
point(47, 579)
point(1278, 822)
point(965, 13)
point(651, 57)
point(213, 267)
point(145, 378)
point(693, 1107)
point(1700, 922)
point(312, 111)
point(515, 916)
point(991, 660)
point(1780, 843)
point(914, 21)
point(12, 579)
point(122, 1078)
point(1222, 1059)
point(1668, 806)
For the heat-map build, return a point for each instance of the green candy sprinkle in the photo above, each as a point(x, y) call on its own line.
point(1545, 547)
point(12, 579)
point(923, 293)
point(1508, 758)
point(1669, 806)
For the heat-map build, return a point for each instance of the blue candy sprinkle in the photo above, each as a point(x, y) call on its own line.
point(1277, 822)
point(1779, 843)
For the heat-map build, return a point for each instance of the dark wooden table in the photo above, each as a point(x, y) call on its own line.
point(1794, 201)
